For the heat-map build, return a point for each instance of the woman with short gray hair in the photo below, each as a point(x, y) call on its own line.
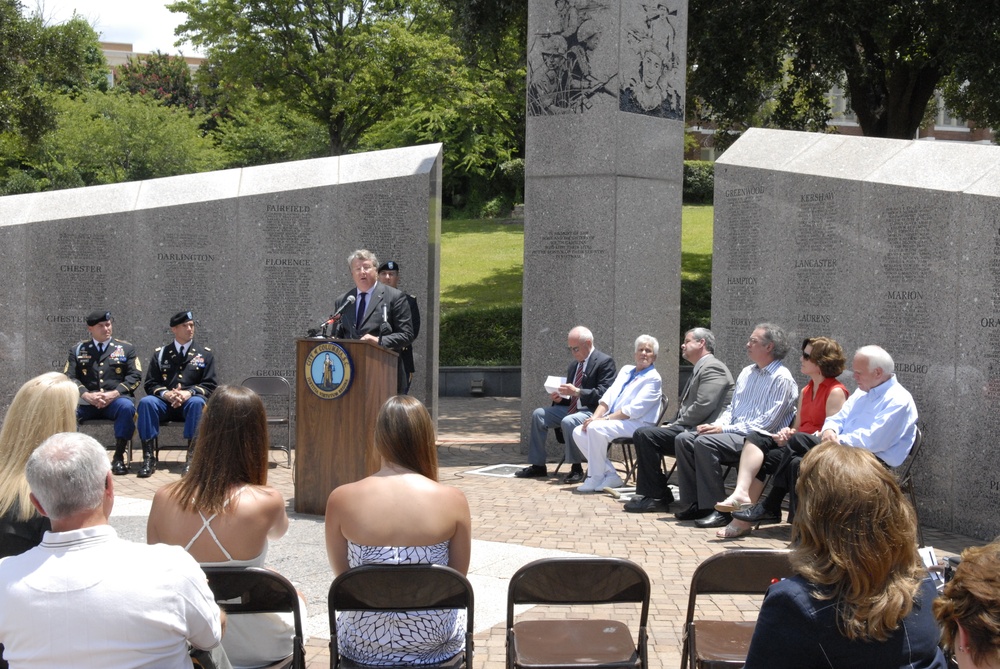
point(631, 402)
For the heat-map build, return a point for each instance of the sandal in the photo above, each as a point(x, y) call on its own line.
point(734, 531)
point(731, 504)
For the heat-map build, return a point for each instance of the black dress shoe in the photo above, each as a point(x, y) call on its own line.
point(715, 519)
point(575, 477)
point(692, 513)
point(118, 467)
point(531, 472)
point(758, 513)
point(639, 504)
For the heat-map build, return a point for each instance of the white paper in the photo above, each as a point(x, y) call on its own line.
point(552, 384)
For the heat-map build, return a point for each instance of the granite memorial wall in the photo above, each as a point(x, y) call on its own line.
point(876, 241)
point(604, 169)
point(258, 254)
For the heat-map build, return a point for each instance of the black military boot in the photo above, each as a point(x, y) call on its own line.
point(190, 455)
point(118, 466)
point(148, 460)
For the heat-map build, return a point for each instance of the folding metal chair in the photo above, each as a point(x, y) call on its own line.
point(904, 474)
point(401, 588)
point(714, 644)
point(247, 590)
point(275, 386)
point(578, 642)
point(628, 443)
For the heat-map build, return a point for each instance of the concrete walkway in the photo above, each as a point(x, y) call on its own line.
point(514, 521)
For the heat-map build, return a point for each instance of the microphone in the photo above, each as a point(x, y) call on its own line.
point(339, 312)
point(385, 328)
point(336, 316)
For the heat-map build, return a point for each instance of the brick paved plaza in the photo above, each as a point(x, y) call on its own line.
point(529, 514)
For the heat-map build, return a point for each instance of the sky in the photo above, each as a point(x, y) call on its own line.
point(146, 24)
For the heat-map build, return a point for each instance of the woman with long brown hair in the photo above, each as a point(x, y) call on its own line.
point(223, 513)
point(43, 406)
point(861, 596)
point(400, 515)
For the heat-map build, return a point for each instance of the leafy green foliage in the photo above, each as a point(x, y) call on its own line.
point(38, 60)
point(348, 64)
point(699, 181)
point(109, 137)
point(260, 132)
point(481, 336)
point(888, 56)
point(161, 76)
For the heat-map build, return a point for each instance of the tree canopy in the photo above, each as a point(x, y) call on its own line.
point(346, 63)
point(889, 57)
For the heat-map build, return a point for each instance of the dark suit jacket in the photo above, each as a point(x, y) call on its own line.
point(407, 352)
point(598, 376)
point(194, 372)
point(707, 395)
point(387, 306)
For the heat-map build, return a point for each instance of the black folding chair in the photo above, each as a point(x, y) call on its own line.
point(577, 642)
point(246, 590)
point(718, 644)
point(401, 588)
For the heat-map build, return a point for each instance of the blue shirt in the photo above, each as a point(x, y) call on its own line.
point(883, 420)
point(763, 400)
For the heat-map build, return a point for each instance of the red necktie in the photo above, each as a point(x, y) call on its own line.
point(577, 380)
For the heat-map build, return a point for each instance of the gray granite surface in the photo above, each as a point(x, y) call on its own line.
point(874, 241)
point(258, 255)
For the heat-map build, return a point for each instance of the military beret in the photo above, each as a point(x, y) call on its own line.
point(391, 265)
point(95, 317)
point(182, 317)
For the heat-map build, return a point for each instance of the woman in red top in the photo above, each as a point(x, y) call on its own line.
point(823, 360)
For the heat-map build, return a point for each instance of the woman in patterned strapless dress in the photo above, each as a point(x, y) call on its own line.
point(400, 515)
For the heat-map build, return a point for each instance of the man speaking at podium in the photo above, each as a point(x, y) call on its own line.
point(380, 313)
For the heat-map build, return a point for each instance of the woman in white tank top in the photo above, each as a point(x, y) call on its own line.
point(223, 513)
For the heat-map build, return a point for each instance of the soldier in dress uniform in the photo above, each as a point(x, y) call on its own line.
point(388, 273)
point(107, 373)
point(180, 378)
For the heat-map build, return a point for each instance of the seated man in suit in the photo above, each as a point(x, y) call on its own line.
point(763, 400)
point(706, 394)
point(380, 313)
point(587, 378)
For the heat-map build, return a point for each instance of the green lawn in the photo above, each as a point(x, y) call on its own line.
point(482, 267)
point(482, 264)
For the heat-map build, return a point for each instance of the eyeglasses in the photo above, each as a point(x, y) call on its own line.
point(753, 341)
point(806, 356)
point(573, 349)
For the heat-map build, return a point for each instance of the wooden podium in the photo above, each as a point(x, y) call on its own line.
point(334, 420)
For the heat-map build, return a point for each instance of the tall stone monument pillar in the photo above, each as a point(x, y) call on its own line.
point(604, 170)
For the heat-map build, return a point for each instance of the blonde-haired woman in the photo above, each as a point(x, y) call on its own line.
point(861, 596)
point(43, 406)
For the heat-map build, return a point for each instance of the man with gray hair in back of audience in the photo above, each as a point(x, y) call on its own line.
point(879, 416)
point(763, 400)
point(705, 395)
point(67, 603)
